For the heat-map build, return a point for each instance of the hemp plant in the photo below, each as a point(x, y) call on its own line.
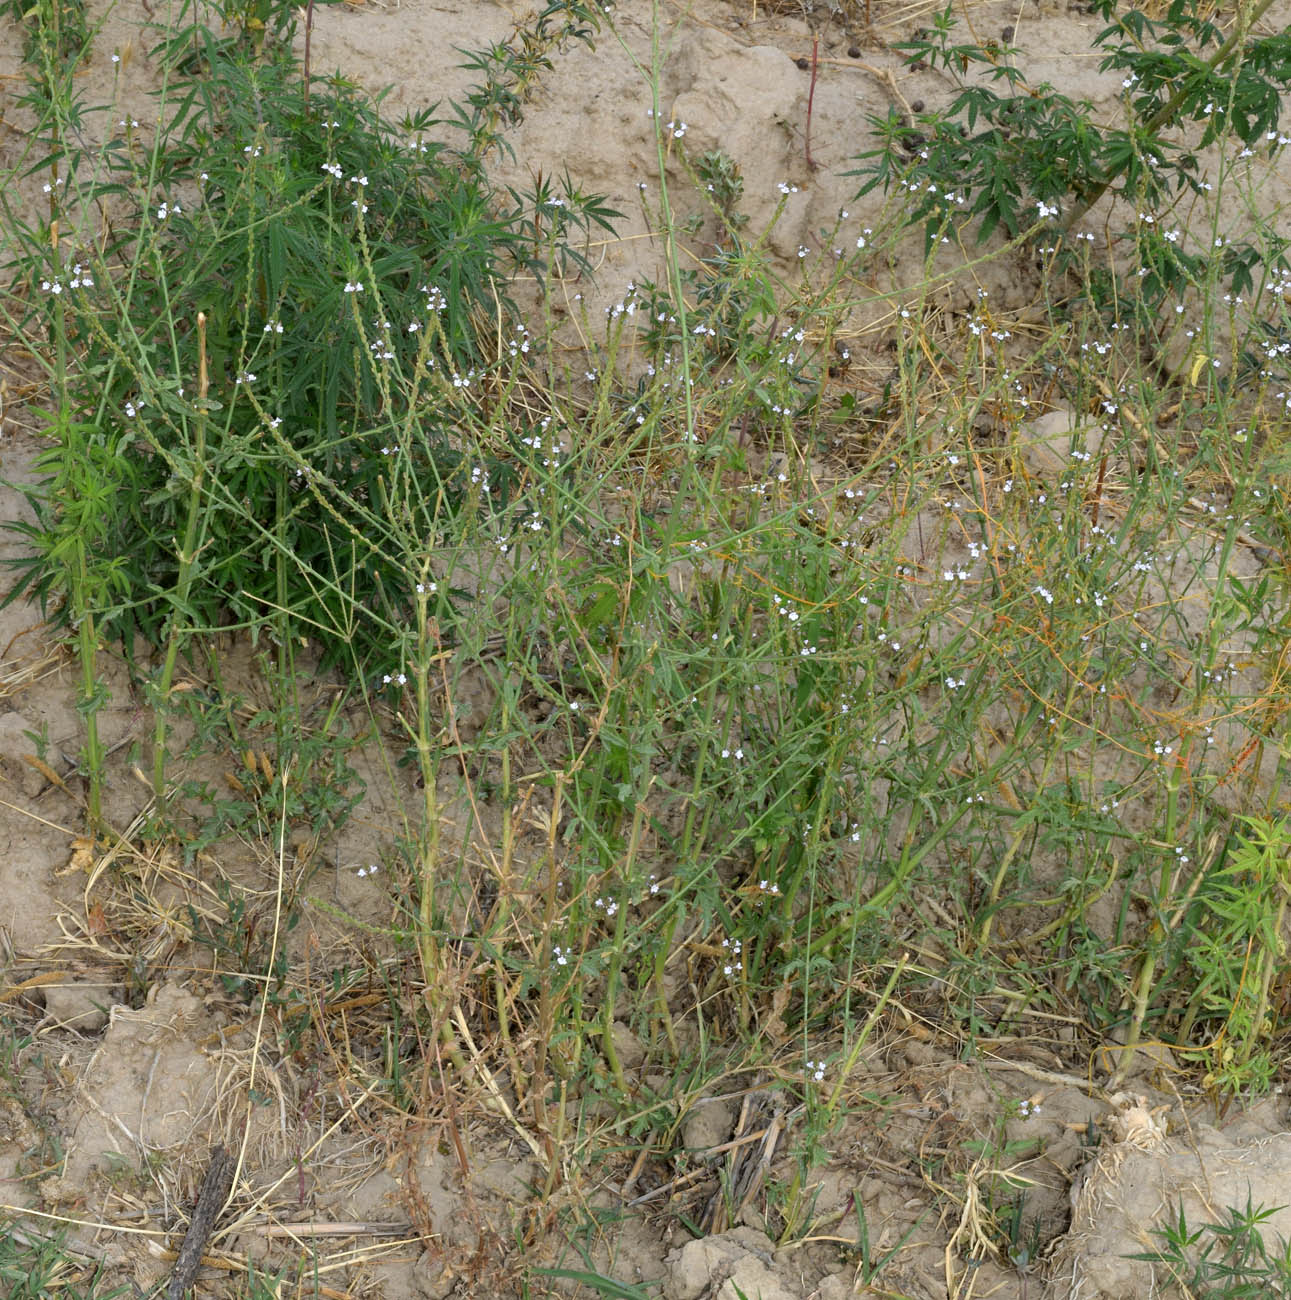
point(337, 266)
point(1032, 159)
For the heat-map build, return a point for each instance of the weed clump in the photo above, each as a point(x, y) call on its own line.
point(346, 276)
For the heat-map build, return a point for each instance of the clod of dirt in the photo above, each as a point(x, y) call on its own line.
point(434, 1181)
point(82, 1007)
point(1144, 1181)
point(734, 1264)
point(630, 1048)
point(731, 97)
point(433, 1278)
point(707, 1124)
point(1050, 441)
point(835, 1287)
point(147, 1088)
point(16, 1127)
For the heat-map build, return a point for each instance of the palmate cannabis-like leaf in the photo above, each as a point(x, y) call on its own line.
point(1000, 157)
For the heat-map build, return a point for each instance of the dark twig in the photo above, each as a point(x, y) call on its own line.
point(210, 1201)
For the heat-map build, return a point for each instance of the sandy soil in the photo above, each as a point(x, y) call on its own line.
point(140, 1062)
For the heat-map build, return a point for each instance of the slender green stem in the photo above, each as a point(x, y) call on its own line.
point(616, 959)
point(187, 565)
point(75, 472)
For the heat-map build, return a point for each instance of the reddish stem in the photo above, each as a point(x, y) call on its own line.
point(811, 97)
point(309, 31)
point(1098, 491)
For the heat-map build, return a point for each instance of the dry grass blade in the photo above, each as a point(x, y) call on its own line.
point(19, 671)
point(750, 1156)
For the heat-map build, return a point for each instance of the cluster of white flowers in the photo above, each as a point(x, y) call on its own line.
point(80, 279)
